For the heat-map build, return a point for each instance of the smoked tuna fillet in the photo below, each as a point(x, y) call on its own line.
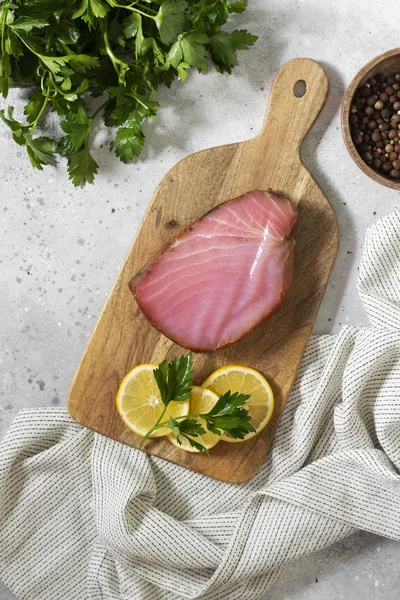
point(223, 275)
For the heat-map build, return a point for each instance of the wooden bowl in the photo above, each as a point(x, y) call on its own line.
point(386, 63)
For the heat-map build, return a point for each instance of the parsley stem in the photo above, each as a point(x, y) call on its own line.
point(114, 59)
point(190, 416)
point(148, 8)
point(36, 121)
point(136, 10)
point(155, 426)
point(137, 98)
point(4, 12)
point(96, 112)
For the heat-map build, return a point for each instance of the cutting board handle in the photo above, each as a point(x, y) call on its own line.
point(297, 96)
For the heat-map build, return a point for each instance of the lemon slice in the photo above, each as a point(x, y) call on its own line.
point(245, 380)
point(201, 401)
point(139, 402)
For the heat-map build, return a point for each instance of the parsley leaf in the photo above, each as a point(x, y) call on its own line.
point(238, 7)
point(79, 62)
point(41, 151)
point(68, 52)
point(190, 426)
point(131, 25)
point(76, 138)
point(128, 141)
point(224, 47)
point(182, 70)
point(174, 379)
point(27, 24)
point(170, 19)
point(197, 445)
point(194, 50)
point(75, 146)
point(10, 121)
point(89, 10)
point(82, 167)
point(34, 105)
point(188, 429)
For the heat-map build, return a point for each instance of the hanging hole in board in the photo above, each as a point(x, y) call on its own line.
point(299, 88)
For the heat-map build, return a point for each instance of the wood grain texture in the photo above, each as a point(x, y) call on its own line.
point(123, 337)
point(386, 63)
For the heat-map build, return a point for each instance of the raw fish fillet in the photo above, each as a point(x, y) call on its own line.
point(223, 275)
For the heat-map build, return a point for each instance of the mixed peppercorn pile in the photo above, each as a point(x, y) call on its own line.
point(375, 123)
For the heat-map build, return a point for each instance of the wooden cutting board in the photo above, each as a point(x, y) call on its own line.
point(123, 338)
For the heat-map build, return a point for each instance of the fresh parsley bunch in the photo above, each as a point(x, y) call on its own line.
point(118, 50)
point(174, 381)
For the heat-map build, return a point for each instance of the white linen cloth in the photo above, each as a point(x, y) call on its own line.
point(82, 516)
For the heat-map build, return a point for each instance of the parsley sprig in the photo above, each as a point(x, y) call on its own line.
point(121, 51)
point(174, 381)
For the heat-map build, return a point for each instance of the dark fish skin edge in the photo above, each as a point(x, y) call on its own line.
point(154, 259)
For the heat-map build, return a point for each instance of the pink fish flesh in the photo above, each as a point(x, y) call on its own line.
point(223, 275)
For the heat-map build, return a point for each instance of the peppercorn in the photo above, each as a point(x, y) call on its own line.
point(363, 147)
point(387, 167)
point(396, 165)
point(364, 91)
point(376, 136)
point(395, 174)
point(378, 105)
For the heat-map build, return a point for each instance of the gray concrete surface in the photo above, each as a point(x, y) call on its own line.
point(60, 247)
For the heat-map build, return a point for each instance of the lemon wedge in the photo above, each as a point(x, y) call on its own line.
point(139, 402)
point(237, 378)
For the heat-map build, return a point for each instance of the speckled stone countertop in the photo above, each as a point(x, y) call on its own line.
point(61, 248)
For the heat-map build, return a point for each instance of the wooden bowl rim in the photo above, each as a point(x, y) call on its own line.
point(346, 104)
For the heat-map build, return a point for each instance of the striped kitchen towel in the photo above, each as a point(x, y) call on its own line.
point(82, 516)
